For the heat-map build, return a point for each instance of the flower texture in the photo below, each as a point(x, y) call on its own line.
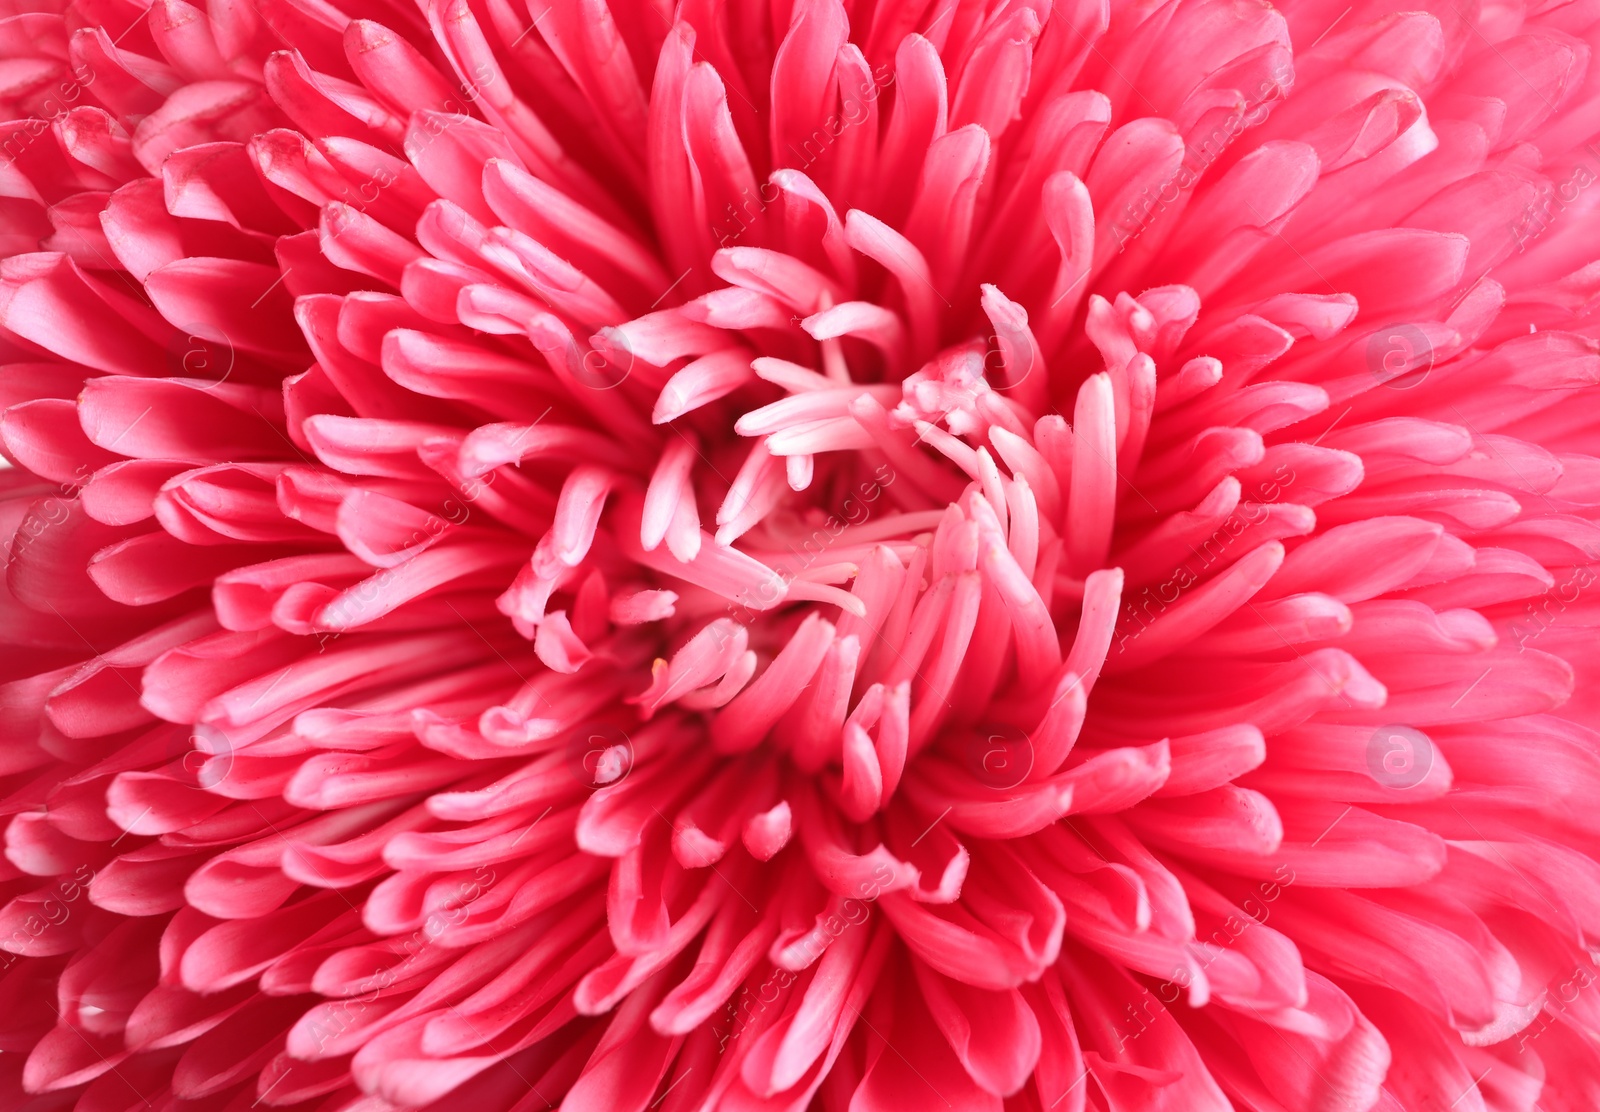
point(859, 555)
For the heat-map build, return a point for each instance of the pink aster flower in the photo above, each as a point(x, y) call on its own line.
point(871, 557)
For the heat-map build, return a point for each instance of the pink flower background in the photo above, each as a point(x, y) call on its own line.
point(873, 556)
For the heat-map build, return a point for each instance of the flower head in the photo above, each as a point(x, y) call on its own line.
point(800, 555)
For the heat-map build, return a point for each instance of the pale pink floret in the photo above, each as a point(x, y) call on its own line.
point(842, 555)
